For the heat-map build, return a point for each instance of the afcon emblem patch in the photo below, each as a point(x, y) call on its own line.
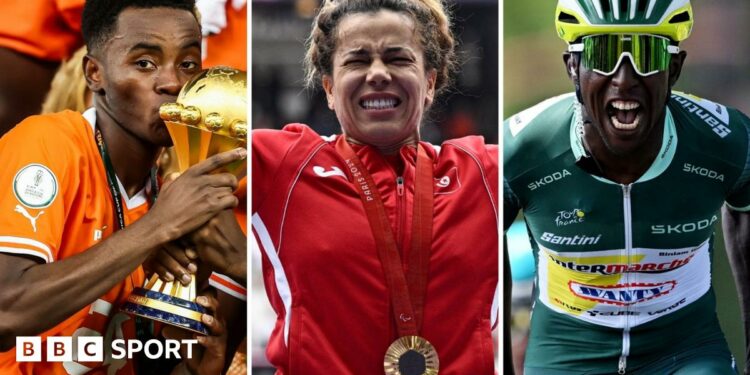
point(35, 186)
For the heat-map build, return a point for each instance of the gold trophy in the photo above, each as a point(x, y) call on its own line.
point(210, 117)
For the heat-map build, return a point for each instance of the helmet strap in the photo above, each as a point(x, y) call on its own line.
point(578, 91)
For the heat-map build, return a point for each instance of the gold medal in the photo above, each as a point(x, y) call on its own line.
point(411, 355)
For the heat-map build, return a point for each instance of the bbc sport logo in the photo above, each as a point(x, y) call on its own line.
point(91, 349)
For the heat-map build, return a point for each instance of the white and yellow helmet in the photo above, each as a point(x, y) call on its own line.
point(577, 18)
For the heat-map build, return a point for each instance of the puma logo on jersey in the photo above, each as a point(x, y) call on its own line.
point(322, 172)
point(26, 214)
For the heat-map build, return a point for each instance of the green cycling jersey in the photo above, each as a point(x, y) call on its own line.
point(623, 272)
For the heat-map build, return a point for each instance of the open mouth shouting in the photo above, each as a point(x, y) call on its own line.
point(624, 114)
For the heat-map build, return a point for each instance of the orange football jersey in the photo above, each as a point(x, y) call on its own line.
point(229, 47)
point(45, 29)
point(58, 204)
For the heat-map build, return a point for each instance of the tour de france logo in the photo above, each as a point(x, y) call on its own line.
point(573, 216)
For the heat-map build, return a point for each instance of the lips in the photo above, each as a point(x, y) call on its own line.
point(624, 114)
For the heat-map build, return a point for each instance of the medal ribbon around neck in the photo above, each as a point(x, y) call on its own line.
point(143, 329)
point(407, 290)
point(114, 190)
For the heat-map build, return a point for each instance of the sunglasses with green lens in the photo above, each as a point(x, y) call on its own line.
point(603, 53)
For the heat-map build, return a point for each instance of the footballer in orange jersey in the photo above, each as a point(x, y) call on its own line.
point(77, 216)
point(35, 36)
point(229, 45)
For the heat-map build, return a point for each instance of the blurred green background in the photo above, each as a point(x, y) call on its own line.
point(717, 68)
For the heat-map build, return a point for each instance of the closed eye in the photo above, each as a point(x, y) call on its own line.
point(402, 60)
point(355, 62)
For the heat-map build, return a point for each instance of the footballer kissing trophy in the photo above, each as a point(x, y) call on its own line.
point(210, 117)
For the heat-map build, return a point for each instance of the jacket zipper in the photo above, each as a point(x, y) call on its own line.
point(401, 215)
point(628, 219)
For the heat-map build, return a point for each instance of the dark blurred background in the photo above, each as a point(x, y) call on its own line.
point(716, 68)
point(279, 30)
point(278, 34)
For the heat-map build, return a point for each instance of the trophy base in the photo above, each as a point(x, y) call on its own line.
point(167, 309)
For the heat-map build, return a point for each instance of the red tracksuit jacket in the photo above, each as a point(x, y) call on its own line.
point(321, 268)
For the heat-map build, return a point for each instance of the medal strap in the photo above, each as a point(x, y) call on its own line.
point(112, 181)
point(143, 329)
point(421, 240)
point(407, 292)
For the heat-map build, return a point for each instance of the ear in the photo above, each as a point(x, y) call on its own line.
point(92, 72)
point(571, 65)
point(675, 67)
point(327, 82)
point(431, 82)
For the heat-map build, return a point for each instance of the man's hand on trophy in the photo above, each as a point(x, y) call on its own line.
point(222, 245)
point(196, 196)
point(209, 358)
point(174, 261)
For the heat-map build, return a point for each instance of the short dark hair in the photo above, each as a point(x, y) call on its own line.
point(99, 18)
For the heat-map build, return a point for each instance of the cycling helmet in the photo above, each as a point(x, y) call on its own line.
point(670, 18)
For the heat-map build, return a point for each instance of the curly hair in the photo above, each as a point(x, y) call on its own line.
point(99, 18)
point(431, 18)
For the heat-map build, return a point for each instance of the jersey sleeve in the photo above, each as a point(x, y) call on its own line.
point(511, 205)
point(269, 149)
point(70, 12)
point(36, 175)
point(228, 286)
point(739, 197)
point(492, 165)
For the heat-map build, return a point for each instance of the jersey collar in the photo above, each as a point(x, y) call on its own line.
point(130, 202)
point(660, 164)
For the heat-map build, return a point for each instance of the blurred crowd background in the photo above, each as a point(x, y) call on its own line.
point(717, 67)
point(279, 31)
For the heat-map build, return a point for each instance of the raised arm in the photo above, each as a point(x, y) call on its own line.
point(35, 297)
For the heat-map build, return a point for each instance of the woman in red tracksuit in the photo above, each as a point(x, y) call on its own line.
point(379, 250)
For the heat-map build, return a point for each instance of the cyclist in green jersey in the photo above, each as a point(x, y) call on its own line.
point(619, 184)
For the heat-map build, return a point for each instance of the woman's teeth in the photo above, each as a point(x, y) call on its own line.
point(379, 103)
